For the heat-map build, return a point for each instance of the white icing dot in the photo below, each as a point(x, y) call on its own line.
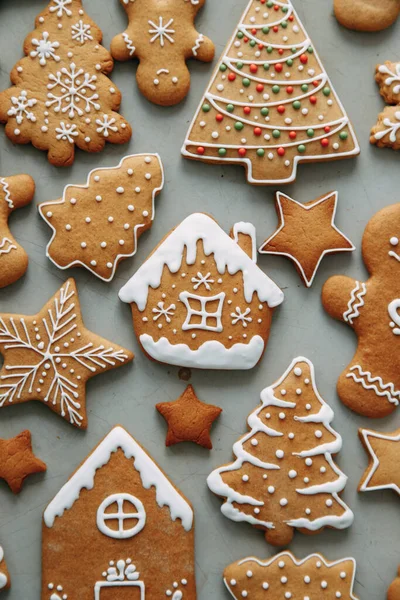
point(270, 156)
point(147, 160)
point(308, 462)
point(306, 480)
point(88, 220)
point(265, 476)
point(83, 244)
point(288, 595)
point(336, 146)
point(145, 213)
point(298, 371)
point(279, 454)
point(338, 595)
point(281, 564)
point(215, 135)
point(131, 208)
point(244, 594)
point(394, 241)
point(283, 502)
point(249, 573)
point(342, 575)
point(271, 489)
point(307, 579)
point(298, 391)
point(284, 579)
point(73, 201)
point(120, 190)
point(103, 244)
point(137, 190)
point(203, 123)
point(220, 87)
point(324, 585)
point(109, 265)
point(257, 511)
point(306, 381)
point(254, 442)
point(245, 478)
point(110, 219)
point(97, 178)
point(304, 111)
point(112, 90)
point(283, 392)
point(233, 581)
point(292, 474)
point(308, 406)
point(49, 214)
point(126, 226)
point(318, 434)
point(319, 564)
point(322, 470)
point(121, 242)
point(330, 102)
point(68, 227)
point(265, 585)
point(329, 502)
point(291, 436)
point(308, 511)
point(93, 263)
point(282, 416)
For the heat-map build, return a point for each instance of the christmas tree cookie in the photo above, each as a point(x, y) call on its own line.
point(270, 104)
point(61, 94)
point(284, 476)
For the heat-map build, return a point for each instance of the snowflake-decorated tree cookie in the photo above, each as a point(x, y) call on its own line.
point(284, 476)
point(62, 95)
point(270, 104)
point(386, 132)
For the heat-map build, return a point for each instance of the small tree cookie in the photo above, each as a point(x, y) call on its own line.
point(15, 192)
point(61, 94)
point(162, 36)
point(386, 132)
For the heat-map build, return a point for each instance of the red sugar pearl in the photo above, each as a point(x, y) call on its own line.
point(327, 129)
point(281, 151)
point(304, 59)
point(253, 68)
point(247, 110)
point(291, 18)
point(257, 131)
point(276, 7)
point(281, 109)
point(200, 150)
point(280, 51)
point(263, 1)
point(313, 99)
point(261, 46)
point(289, 89)
point(245, 39)
point(279, 67)
point(260, 87)
point(293, 135)
point(254, 31)
point(219, 118)
point(242, 151)
point(324, 142)
point(275, 29)
point(232, 76)
point(315, 83)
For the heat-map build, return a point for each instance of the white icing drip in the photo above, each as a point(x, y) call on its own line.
point(246, 229)
point(7, 192)
point(390, 437)
point(370, 382)
point(355, 303)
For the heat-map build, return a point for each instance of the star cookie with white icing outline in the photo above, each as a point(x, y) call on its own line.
point(383, 471)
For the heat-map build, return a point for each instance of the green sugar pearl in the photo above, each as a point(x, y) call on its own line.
point(239, 126)
point(294, 50)
point(230, 108)
point(270, 4)
point(270, 49)
point(206, 108)
point(285, 9)
point(246, 82)
point(223, 67)
point(276, 133)
point(239, 65)
point(265, 29)
point(252, 43)
point(265, 111)
point(326, 91)
point(222, 152)
point(266, 66)
point(343, 135)
point(310, 49)
point(296, 104)
point(310, 132)
point(301, 149)
point(276, 89)
point(289, 62)
point(260, 152)
point(240, 35)
point(304, 87)
point(284, 24)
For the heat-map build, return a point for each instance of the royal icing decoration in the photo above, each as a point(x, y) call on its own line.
point(270, 104)
point(4, 577)
point(200, 275)
point(284, 475)
point(383, 472)
point(98, 224)
point(386, 132)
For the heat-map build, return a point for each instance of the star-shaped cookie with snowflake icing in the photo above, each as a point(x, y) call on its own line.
point(50, 356)
point(383, 472)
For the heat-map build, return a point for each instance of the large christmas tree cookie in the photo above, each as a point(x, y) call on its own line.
point(5, 581)
point(200, 300)
point(284, 476)
point(370, 385)
point(270, 104)
point(136, 530)
point(61, 94)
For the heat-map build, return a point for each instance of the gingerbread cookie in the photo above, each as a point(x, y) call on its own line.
point(394, 589)
point(5, 581)
point(284, 476)
point(51, 355)
point(370, 385)
point(285, 576)
point(386, 133)
point(270, 104)
point(15, 192)
point(200, 300)
point(17, 462)
point(306, 233)
point(128, 514)
point(189, 419)
point(367, 15)
point(97, 225)
point(61, 94)
point(162, 36)
point(383, 470)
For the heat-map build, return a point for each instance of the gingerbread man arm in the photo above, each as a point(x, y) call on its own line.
point(343, 297)
point(123, 47)
point(203, 48)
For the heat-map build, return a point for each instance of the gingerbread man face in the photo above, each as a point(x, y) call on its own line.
point(370, 385)
point(161, 34)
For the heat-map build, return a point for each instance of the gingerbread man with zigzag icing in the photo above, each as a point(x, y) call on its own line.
point(370, 385)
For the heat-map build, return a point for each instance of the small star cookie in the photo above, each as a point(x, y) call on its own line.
point(5, 581)
point(307, 232)
point(17, 462)
point(383, 471)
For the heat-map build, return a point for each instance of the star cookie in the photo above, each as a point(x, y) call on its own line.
point(307, 232)
point(189, 419)
point(50, 356)
point(17, 462)
point(383, 472)
point(5, 581)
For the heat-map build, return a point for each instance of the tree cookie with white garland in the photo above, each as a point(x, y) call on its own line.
point(270, 104)
point(284, 476)
point(5, 581)
point(61, 94)
point(136, 530)
point(162, 36)
point(200, 300)
point(370, 384)
point(15, 192)
point(386, 133)
point(98, 224)
point(285, 576)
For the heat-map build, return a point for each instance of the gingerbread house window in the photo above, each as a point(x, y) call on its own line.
point(121, 516)
point(203, 312)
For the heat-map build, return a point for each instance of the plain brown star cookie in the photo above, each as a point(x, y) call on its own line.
point(17, 461)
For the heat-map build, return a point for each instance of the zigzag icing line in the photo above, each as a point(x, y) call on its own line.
point(199, 41)
point(8, 198)
point(3, 243)
point(382, 389)
point(129, 44)
point(355, 303)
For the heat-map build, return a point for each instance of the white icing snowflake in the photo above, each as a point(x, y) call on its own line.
point(392, 128)
point(161, 31)
point(21, 106)
point(162, 311)
point(81, 32)
point(73, 86)
point(202, 280)
point(45, 49)
point(67, 132)
point(61, 7)
point(238, 316)
point(106, 124)
point(393, 76)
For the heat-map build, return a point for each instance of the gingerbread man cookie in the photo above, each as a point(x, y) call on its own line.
point(370, 385)
point(61, 94)
point(5, 581)
point(394, 589)
point(367, 15)
point(386, 133)
point(15, 192)
point(162, 36)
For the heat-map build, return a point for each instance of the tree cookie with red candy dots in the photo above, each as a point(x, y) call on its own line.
point(98, 225)
point(370, 385)
point(270, 104)
point(394, 589)
point(61, 95)
point(5, 581)
point(386, 133)
point(285, 576)
point(15, 192)
point(284, 476)
point(367, 15)
point(162, 36)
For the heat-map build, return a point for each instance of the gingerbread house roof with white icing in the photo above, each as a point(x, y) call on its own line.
point(228, 255)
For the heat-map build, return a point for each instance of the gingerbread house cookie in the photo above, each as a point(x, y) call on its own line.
point(200, 300)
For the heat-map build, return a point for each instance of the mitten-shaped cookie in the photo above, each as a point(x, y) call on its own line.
point(15, 192)
point(367, 15)
point(370, 385)
point(161, 34)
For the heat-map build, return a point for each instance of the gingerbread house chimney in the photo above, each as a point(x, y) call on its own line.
point(244, 235)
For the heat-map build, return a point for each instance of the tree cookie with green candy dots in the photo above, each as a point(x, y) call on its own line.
point(367, 15)
point(386, 133)
point(370, 384)
point(285, 576)
point(162, 36)
point(200, 300)
point(61, 95)
point(284, 476)
point(270, 104)
point(5, 581)
point(50, 356)
point(15, 192)
point(383, 471)
point(98, 225)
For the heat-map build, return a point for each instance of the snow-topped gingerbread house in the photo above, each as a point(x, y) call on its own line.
point(118, 530)
point(200, 300)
